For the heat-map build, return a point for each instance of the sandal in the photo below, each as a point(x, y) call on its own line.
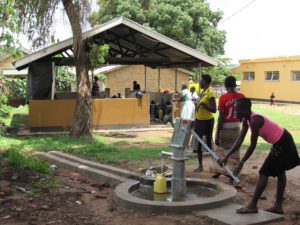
point(273, 210)
point(245, 210)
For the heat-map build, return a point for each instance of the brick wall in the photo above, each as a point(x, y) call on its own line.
point(122, 78)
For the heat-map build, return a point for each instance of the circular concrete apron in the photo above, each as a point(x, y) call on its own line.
point(123, 197)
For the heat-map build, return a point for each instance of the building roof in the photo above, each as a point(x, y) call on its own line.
point(130, 43)
point(271, 59)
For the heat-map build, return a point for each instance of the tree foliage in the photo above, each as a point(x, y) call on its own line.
point(102, 77)
point(219, 72)
point(10, 25)
point(63, 79)
point(36, 17)
point(190, 22)
point(97, 55)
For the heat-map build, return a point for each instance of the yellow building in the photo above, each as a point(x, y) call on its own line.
point(261, 77)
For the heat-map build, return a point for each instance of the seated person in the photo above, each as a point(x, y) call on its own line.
point(136, 86)
point(95, 88)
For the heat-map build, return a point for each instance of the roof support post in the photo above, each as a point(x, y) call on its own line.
point(176, 74)
point(28, 87)
point(158, 80)
point(145, 78)
point(53, 81)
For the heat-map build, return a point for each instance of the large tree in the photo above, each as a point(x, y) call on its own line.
point(191, 22)
point(36, 18)
point(219, 72)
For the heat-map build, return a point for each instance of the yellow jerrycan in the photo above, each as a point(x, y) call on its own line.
point(160, 184)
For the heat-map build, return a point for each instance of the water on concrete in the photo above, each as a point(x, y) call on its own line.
point(192, 192)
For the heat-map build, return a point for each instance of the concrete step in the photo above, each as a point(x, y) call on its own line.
point(227, 216)
point(98, 175)
point(99, 166)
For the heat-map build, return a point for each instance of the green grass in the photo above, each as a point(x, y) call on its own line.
point(156, 139)
point(96, 148)
point(288, 121)
point(120, 143)
point(19, 159)
point(13, 111)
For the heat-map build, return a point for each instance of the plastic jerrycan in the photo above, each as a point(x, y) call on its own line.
point(160, 184)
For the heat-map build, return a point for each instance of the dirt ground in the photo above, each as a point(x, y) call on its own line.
point(79, 200)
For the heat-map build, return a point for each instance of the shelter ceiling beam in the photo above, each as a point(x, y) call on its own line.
point(152, 62)
point(133, 43)
point(144, 60)
point(119, 46)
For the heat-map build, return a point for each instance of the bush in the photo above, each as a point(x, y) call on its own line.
point(63, 79)
point(3, 90)
point(18, 88)
point(12, 88)
point(3, 99)
point(101, 77)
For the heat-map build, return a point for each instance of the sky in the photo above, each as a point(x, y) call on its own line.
point(266, 28)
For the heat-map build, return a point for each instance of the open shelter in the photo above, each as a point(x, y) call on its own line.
point(130, 44)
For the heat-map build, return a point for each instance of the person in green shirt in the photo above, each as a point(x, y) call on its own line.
point(205, 109)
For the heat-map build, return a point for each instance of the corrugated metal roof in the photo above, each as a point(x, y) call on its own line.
point(130, 43)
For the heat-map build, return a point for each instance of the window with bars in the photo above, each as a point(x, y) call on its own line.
point(248, 75)
point(295, 75)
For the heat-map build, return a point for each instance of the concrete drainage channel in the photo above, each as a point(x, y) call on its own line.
point(219, 206)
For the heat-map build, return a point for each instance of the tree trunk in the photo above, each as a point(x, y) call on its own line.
point(81, 124)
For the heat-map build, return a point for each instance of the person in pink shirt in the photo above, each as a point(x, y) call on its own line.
point(283, 155)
